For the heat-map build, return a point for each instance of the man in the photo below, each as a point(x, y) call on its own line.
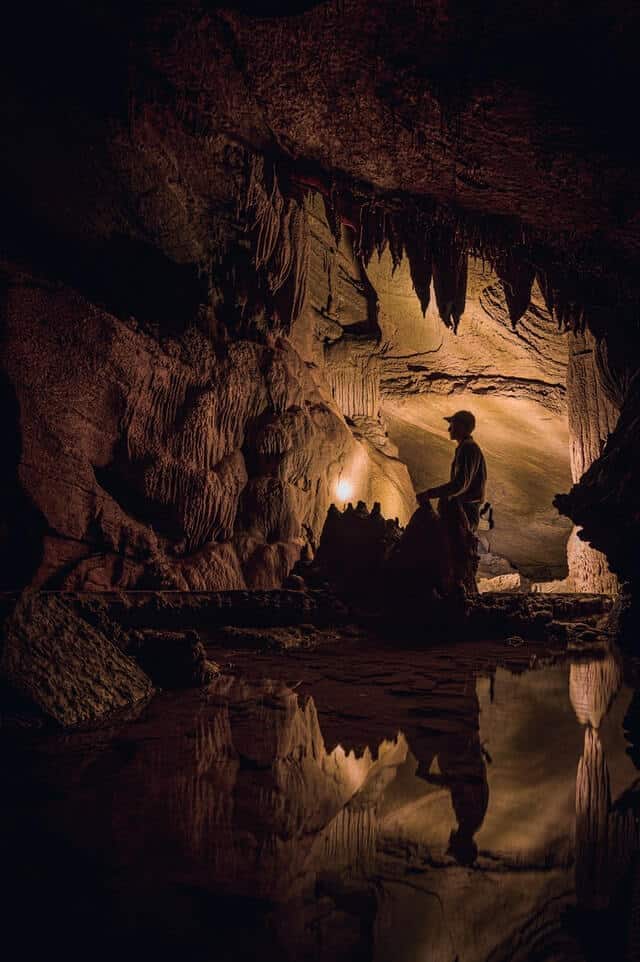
point(468, 470)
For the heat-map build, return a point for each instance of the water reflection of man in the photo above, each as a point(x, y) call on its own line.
point(463, 770)
point(465, 775)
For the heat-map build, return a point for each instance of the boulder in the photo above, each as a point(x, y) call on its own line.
point(64, 668)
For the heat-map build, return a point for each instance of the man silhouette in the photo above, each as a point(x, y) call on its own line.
point(468, 470)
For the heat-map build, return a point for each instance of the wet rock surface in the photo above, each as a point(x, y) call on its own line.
point(61, 667)
point(73, 657)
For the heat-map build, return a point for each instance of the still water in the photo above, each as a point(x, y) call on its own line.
point(344, 804)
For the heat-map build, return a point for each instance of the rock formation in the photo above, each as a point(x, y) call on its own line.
point(65, 670)
point(152, 464)
point(592, 418)
point(405, 573)
point(200, 334)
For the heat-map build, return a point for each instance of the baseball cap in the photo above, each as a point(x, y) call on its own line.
point(465, 418)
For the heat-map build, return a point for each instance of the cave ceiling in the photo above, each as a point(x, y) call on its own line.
point(520, 116)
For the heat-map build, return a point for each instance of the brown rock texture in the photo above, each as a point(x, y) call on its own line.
point(70, 672)
point(605, 500)
point(592, 418)
point(141, 457)
point(168, 464)
point(264, 196)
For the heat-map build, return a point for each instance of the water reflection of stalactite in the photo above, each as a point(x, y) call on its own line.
point(593, 802)
point(200, 802)
point(607, 836)
point(255, 800)
point(350, 839)
point(592, 687)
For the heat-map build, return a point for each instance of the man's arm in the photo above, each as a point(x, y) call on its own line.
point(466, 465)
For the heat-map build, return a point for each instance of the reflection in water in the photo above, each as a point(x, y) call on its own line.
point(607, 835)
point(592, 687)
point(233, 823)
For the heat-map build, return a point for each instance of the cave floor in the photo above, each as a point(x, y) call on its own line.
point(350, 801)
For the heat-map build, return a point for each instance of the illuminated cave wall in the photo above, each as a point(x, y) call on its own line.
point(153, 448)
point(515, 383)
point(395, 373)
point(147, 456)
point(592, 418)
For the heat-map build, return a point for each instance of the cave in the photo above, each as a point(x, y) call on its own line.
point(267, 276)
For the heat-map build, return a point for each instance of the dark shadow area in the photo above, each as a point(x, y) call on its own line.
point(22, 525)
point(128, 277)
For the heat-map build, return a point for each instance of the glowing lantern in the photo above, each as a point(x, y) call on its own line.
point(344, 490)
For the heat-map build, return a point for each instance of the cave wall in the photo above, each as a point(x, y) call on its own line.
point(592, 418)
point(211, 461)
point(395, 372)
point(604, 502)
point(141, 456)
point(166, 464)
point(190, 451)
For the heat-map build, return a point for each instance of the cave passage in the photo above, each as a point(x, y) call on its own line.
point(514, 380)
point(255, 701)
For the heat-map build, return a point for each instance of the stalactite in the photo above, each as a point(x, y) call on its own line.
point(264, 206)
point(418, 248)
point(280, 263)
point(300, 242)
point(450, 279)
point(562, 300)
point(367, 235)
point(437, 239)
point(394, 238)
point(332, 213)
point(280, 238)
point(380, 230)
point(517, 276)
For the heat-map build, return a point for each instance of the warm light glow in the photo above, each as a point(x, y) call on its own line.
point(344, 490)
